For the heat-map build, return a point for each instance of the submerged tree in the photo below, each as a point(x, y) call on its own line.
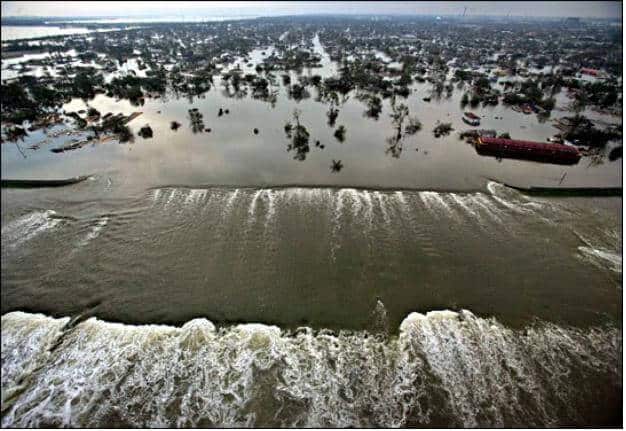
point(299, 136)
point(413, 127)
point(332, 115)
point(464, 100)
point(340, 133)
point(374, 107)
point(196, 121)
point(336, 166)
point(399, 113)
point(332, 98)
point(124, 134)
point(442, 129)
point(145, 132)
point(288, 129)
point(298, 92)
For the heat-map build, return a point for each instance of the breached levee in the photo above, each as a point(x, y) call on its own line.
point(443, 369)
point(340, 217)
point(498, 204)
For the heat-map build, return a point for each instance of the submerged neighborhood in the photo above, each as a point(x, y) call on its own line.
point(563, 71)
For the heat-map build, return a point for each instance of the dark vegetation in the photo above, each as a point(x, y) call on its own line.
point(145, 132)
point(340, 133)
point(399, 114)
point(581, 131)
point(196, 121)
point(442, 129)
point(336, 166)
point(299, 137)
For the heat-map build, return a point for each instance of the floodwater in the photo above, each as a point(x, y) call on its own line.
point(217, 281)
point(10, 32)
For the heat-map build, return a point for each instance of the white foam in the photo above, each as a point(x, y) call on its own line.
point(156, 193)
point(271, 206)
point(355, 202)
point(404, 209)
point(339, 204)
point(252, 207)
point(488, 206)
point(444, 368)
point(460, 200)
point(494, 189)
point(228, 208)
point(29, 335)
point(28, 226)
point(513, 201)
point(337, 213)
point(171, 196)
point(366, 197)
point(382, 203)
point(296, 193)
point(603, 257)
point(598, 252)
point(436, 204)
point(195, 196)
point(95, 230)
point(402, 200)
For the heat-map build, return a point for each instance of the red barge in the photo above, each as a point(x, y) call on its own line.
point(528, 150)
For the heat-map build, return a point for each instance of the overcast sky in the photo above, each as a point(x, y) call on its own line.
point(600, 9)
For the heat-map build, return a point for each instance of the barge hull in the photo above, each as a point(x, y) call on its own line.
point(528, 150)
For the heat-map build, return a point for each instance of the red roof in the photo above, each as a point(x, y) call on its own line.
point(589, 71)
point(529, 144)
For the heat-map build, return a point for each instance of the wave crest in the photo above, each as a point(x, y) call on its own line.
point(444, 368)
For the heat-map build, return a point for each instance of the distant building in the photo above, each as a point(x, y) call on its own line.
point(588, 71)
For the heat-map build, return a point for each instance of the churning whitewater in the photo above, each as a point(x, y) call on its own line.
point(28, 226)
point(444, 368)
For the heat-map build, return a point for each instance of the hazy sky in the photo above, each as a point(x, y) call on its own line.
point(602, 9)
